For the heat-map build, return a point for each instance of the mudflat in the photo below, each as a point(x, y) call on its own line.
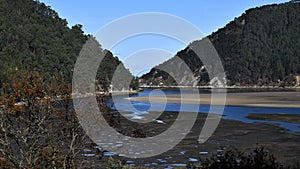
point(289, 118)
point(257, 99)
point(229, 135)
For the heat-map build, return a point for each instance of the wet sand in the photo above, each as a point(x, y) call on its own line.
point(289, 118)
point(257, 99)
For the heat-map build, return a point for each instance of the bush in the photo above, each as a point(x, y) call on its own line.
point(259, 158)
point(112, 164)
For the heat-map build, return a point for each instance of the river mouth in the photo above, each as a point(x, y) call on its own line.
point(241, 127)
point(272, 102)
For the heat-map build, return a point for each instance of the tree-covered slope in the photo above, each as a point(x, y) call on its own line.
point(34, 38)
point(261, 47)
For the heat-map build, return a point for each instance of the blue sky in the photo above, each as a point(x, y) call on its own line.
point(206, 15)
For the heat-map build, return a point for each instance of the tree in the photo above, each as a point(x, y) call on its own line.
point(32, 134)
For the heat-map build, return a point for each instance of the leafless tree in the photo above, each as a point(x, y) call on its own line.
point(34, 134)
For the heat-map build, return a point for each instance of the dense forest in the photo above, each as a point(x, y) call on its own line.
point(34, 38)
point(38, 51)
point(261, 47)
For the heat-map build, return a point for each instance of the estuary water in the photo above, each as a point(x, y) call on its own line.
point(239, 113)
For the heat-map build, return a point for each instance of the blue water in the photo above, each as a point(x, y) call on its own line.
point(239, 113)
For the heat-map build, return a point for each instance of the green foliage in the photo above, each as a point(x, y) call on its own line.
point(111, 67)
point(135, 83)
point(34, 38)
point(261, 47)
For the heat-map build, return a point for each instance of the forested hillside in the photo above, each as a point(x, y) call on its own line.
point(38, 52)
point(261, 47)
point(34, 38)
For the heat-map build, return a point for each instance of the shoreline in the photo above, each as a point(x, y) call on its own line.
point(226, 87)
point(250, 99)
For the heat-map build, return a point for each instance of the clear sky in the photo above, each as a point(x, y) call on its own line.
point(207, 15)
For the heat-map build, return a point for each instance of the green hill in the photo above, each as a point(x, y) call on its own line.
point(34, 38)
point(261, 47)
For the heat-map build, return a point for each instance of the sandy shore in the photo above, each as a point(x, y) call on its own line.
point(257, 99)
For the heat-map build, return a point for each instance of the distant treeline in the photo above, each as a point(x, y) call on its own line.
point(261, 47)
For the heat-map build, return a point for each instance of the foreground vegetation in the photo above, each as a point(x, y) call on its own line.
point(33, 133)
point(259, 158)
